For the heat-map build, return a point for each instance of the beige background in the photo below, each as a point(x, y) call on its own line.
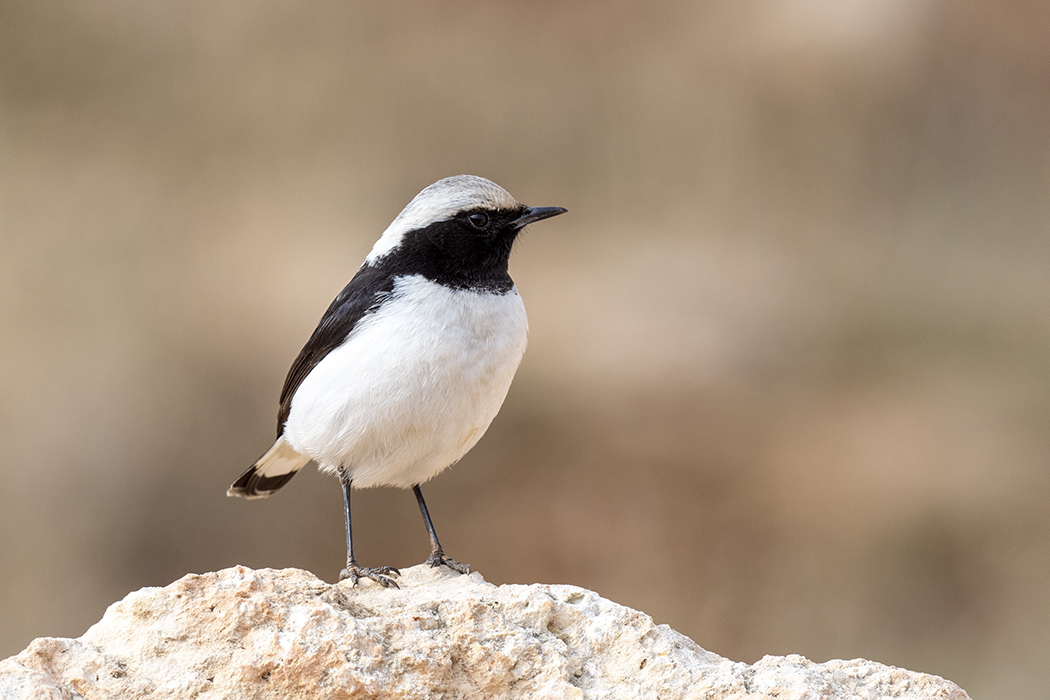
point(788, 385)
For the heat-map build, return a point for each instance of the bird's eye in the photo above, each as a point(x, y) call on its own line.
point(478, 220)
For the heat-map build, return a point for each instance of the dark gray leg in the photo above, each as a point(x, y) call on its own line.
point(437, 554)
point(353, 571)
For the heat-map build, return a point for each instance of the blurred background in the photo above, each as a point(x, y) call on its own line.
point(787, 386)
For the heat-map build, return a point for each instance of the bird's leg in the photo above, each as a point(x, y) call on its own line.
point(353, 570)
point(437, 555)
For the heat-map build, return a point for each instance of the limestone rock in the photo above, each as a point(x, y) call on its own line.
point(240, 633)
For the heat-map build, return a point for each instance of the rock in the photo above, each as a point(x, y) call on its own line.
point(240, 633)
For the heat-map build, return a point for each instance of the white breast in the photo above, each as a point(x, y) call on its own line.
point(415, 386)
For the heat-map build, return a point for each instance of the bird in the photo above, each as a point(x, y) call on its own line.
point(412, 360)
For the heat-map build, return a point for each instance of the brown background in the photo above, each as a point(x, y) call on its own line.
point(788, 385)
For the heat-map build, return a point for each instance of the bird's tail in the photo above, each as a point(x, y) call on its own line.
point(270, 472)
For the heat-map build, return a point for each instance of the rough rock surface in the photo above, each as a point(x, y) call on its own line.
point(239, 633)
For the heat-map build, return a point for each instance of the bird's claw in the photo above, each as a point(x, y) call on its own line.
point(437, 558)
point(380, 574)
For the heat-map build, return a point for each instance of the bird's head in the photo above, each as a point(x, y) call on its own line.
point(464, 224)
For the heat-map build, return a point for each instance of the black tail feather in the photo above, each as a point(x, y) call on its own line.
point(270, 472)
point(253, 484)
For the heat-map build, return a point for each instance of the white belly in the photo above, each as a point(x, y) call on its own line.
point(414, 388)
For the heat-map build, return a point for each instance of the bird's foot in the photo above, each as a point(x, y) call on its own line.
point(438, 558)
point(380, 574)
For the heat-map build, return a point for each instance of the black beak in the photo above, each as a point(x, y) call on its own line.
point(534, 214)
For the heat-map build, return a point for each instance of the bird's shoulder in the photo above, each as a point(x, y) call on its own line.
point(364, 294)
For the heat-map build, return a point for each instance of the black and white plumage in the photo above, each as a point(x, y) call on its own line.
point(413, 359)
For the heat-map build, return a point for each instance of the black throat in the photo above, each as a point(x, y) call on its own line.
point(457, 255)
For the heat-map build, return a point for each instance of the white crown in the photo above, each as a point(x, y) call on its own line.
point(440, 202)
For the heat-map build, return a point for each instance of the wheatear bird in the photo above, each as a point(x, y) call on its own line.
point(413, 359)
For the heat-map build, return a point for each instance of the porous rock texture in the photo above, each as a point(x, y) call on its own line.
point(240, 633)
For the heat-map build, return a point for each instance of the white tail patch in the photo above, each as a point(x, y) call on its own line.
point(270, 472)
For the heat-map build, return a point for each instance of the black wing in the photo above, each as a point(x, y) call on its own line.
point(362, 295)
